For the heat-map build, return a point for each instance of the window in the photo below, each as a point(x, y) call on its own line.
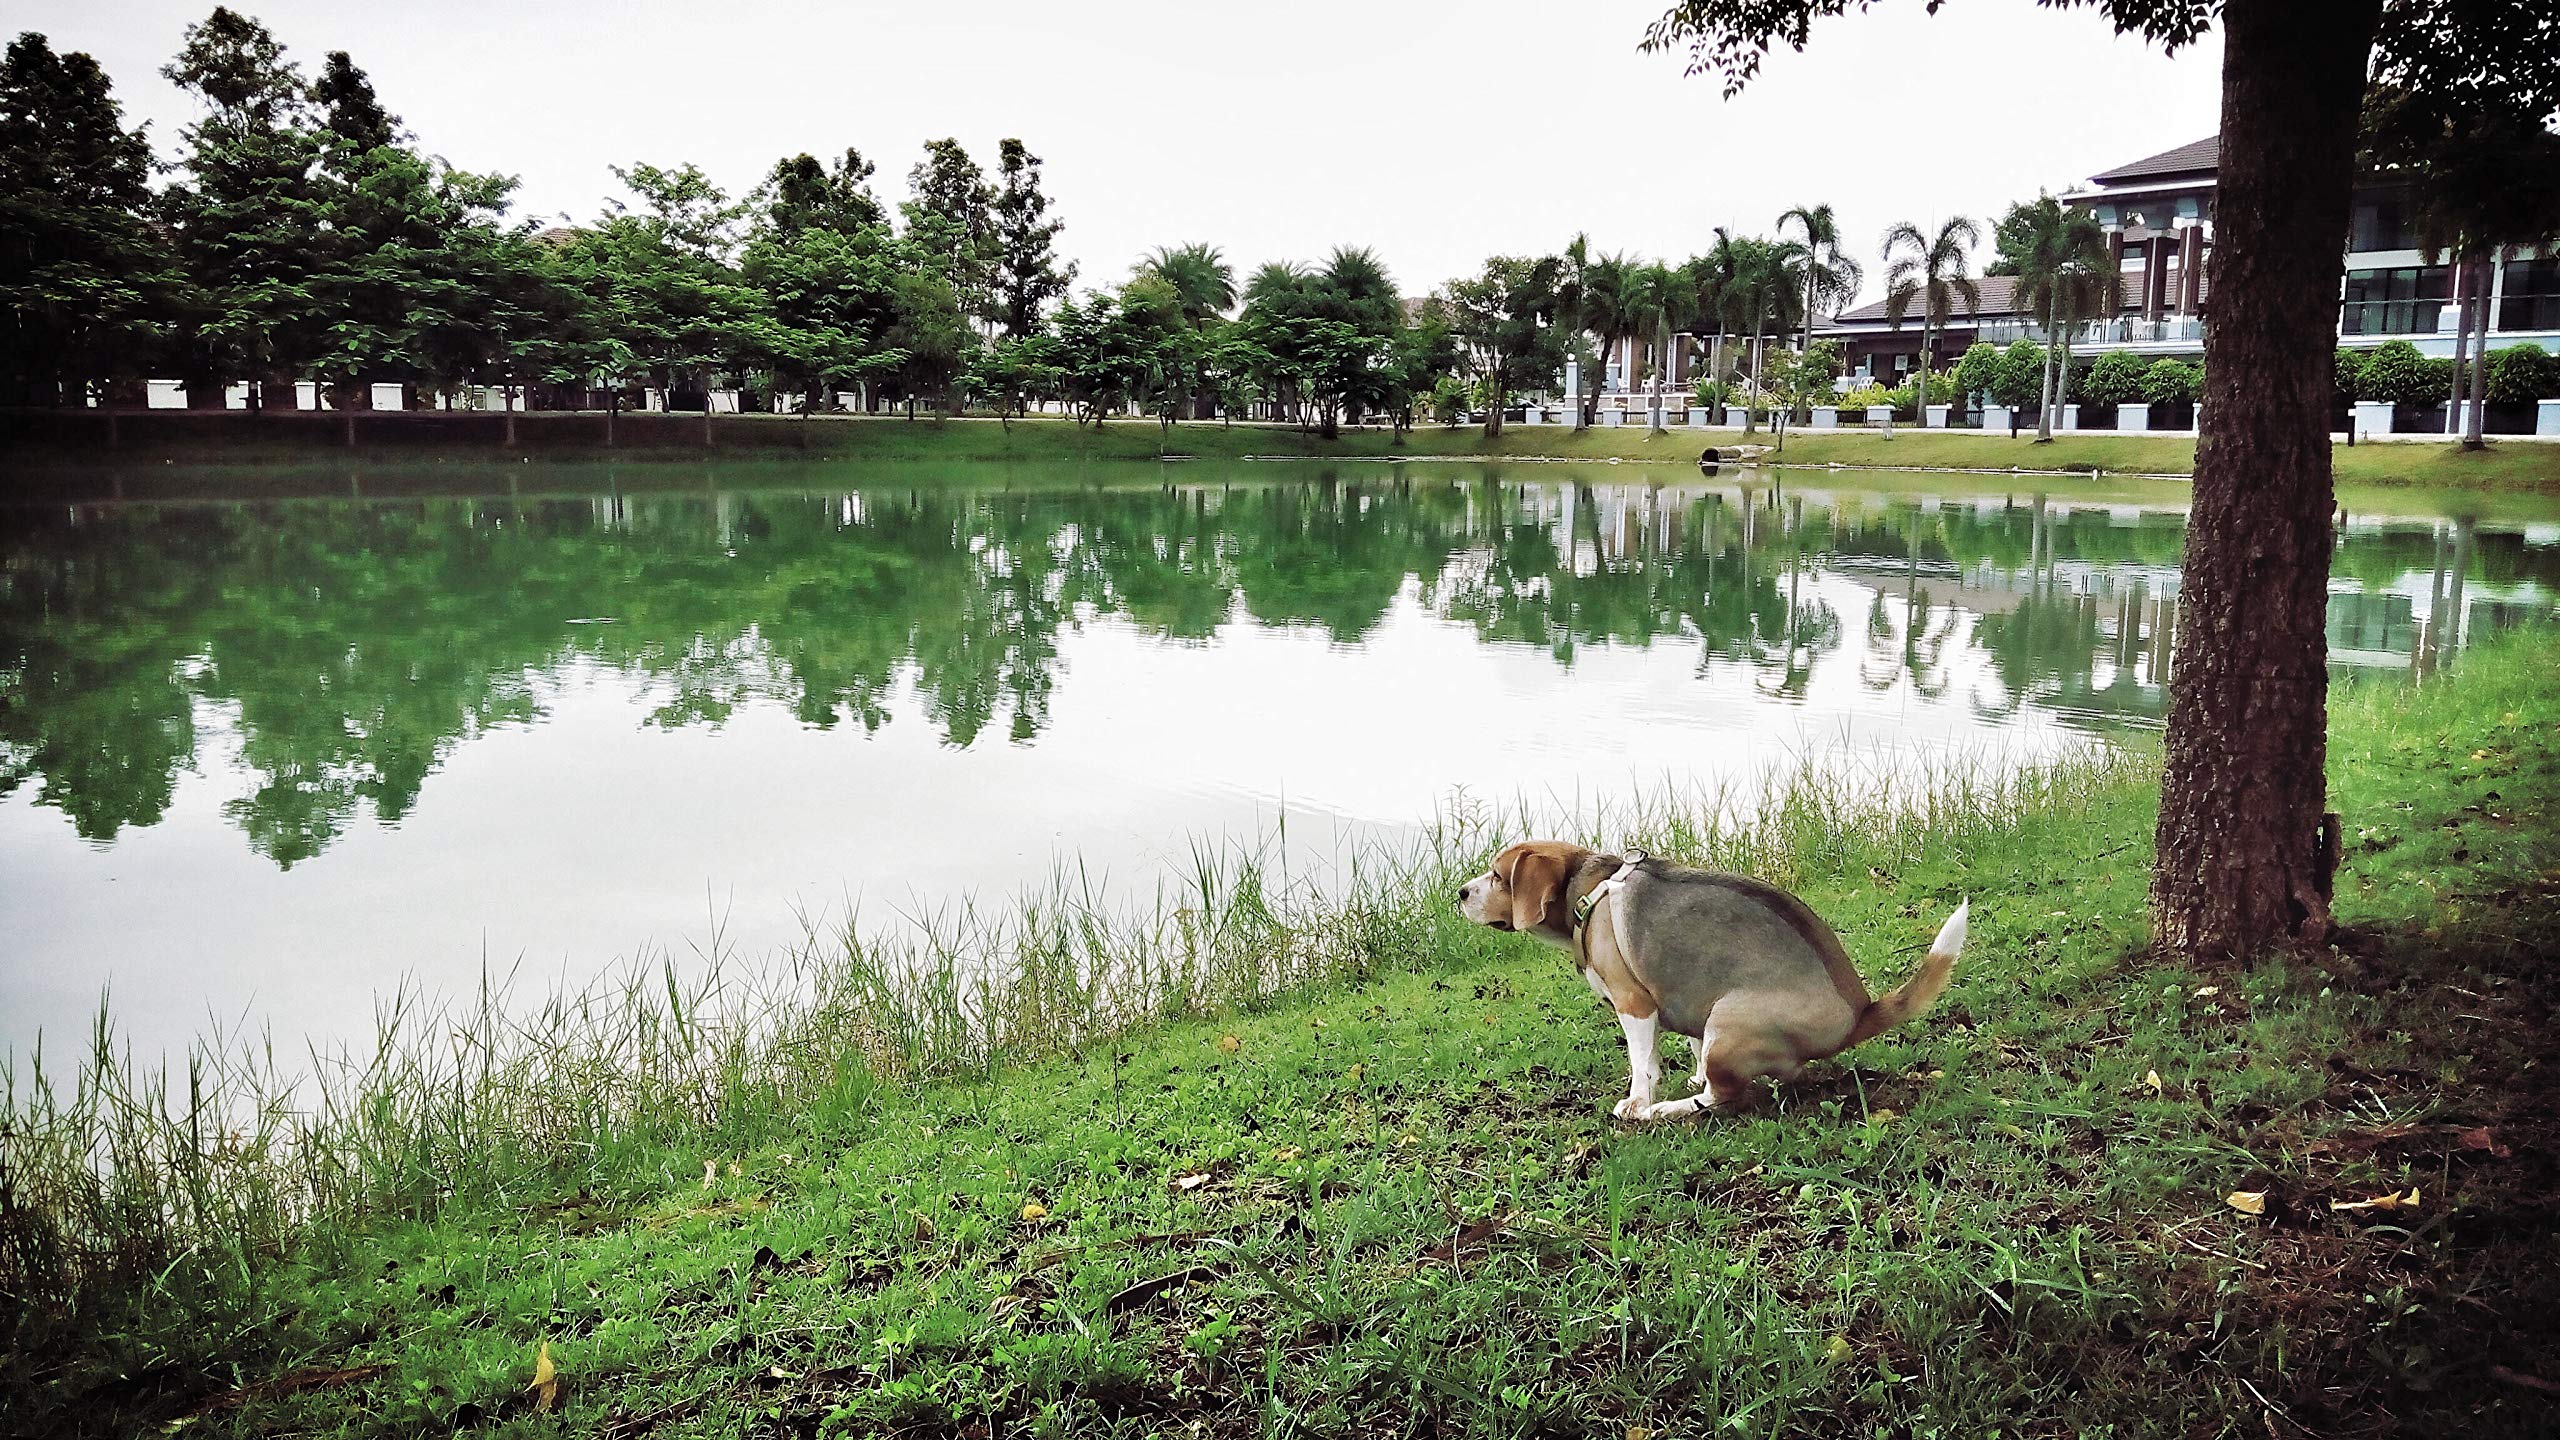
point(2130, 280)
point(2382, 223)
point(2530, 297)
point(2401, 301)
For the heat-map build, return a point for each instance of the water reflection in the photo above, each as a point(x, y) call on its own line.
point(336, 653)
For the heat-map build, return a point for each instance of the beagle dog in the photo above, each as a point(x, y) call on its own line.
point(1741, 967)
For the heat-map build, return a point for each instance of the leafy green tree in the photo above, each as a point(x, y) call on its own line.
point(1504, 315)
point(80, 271)
point(677, 301)
point(1931, 269)
point(951, 224)
point(931, 336)
point(2397, 372)
point(1028, 273)
point(246, 221)
point(824, 261)
point(1203, 286)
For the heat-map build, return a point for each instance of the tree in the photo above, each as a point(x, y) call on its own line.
point(1830, 276)
point(1028, 274)
point(80, 270)
point(1608, 313)
point(804, 194)
point(951, 224)
point(2480, 185)
point(1932, 269)
point(2246, 852)
point(1505, 316)
point(2523, 374)
point(2059, 255)
point(2115, 380)
point(246, 221)
point(2170, 382)
point(2018, 379)
point(1975, 370)
point(1204, 289)
point(678, 302)
point(826, 266)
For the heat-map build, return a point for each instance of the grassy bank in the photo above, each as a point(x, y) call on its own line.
point(2514, 465)
point(1351, 1173)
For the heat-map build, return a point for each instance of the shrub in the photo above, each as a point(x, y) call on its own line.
point(2115, 380)
point(2522, 374)
point(2171, 382)
point(2349, 366)
point(1973, 373)
point(2018, 380)
point(1710, 395)
point(2397, 373)
point(1856, 401)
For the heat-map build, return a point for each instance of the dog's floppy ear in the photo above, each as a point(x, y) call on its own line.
point(1535, 878)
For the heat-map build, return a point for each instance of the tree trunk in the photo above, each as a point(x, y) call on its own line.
point(1493, 414)
point(2461, 338)
point(2246, 853)
point(2044, 404)
point(2474, 425)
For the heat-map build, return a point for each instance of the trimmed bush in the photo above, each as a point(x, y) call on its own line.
point(1973, 373)
point(2350, 366)
point(2115, 380)
point(2171, 382)
point(2522, 374)
point(2018, 380)
point(2397, 373)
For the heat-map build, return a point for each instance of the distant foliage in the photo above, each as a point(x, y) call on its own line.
point(1978, 369)
point(2169, 382)
point(2398, 374)
point(2117, 379)
point(2522, 374)
point(2017, 381)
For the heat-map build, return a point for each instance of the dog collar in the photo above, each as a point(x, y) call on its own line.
point(1583, 907)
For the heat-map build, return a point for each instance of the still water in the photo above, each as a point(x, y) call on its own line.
point(262, 759)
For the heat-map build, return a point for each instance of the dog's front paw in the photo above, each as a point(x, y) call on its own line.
point(1631, 1108)
point(1674, 1109)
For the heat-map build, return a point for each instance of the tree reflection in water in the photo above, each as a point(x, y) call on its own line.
point(337, 651)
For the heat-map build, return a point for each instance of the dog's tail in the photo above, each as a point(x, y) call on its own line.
point(1914, 996)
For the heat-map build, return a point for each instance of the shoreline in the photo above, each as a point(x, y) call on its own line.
point(38, 440)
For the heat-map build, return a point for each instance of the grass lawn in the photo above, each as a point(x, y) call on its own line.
point(2089, 1194)
point(2516, 465)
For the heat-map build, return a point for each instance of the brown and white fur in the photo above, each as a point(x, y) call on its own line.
point(1741, 967)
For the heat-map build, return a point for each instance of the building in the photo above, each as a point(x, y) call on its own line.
point(2158, 213)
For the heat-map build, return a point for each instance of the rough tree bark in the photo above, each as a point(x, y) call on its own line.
point(2245, 849)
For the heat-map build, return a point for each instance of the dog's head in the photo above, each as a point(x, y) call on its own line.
point(1525, 889)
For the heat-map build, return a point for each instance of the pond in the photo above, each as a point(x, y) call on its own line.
point(264, 758)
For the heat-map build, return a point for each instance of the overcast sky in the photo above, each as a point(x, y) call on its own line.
point(1437, 134)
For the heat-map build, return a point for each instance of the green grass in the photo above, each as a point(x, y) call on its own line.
point(2507, 465)
point(1351, 1171)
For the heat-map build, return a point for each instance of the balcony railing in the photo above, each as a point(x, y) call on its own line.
point(2124, 330)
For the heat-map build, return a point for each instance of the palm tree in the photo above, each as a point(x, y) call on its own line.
point(1659, 302)
point(1757, 297)
point(1570, 277)
point(1830, 277)
point(2065, 274)
point(1608, 312)
point(1933, 269)
point(1204, 289)
point(1200, 277)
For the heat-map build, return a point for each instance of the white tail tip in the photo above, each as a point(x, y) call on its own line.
point(1950, 941)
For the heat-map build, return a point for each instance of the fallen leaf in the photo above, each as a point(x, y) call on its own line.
point(2393, 1201)
point(1035, 1211)
point(2247, 1202)
point(1230, 1044)
point(1357, 1071)
point(2207, 992)
point(1408, 1138)
point(1639, 1432)
point(1184, 1184)
point(2481, 1137)
point(1837, 1350)
point(710, 1173)
point(1881, 1116)
point(924, 1229)
point(2152, 1079)
point(1286, 1153)
point(545, 1388)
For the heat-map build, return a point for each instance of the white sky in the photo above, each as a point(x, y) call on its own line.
point(1436, 134)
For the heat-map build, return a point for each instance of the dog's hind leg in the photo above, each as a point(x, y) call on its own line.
point(1644, 1063)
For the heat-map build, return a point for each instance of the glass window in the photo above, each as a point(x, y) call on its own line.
point(2382, 223)
point(2404, 300)
point(2529, 295)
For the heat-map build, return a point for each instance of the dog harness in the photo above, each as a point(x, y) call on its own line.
point(1583, 907)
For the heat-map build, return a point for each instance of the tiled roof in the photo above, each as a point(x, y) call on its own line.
point(2199, 157)
point(1998, 297)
